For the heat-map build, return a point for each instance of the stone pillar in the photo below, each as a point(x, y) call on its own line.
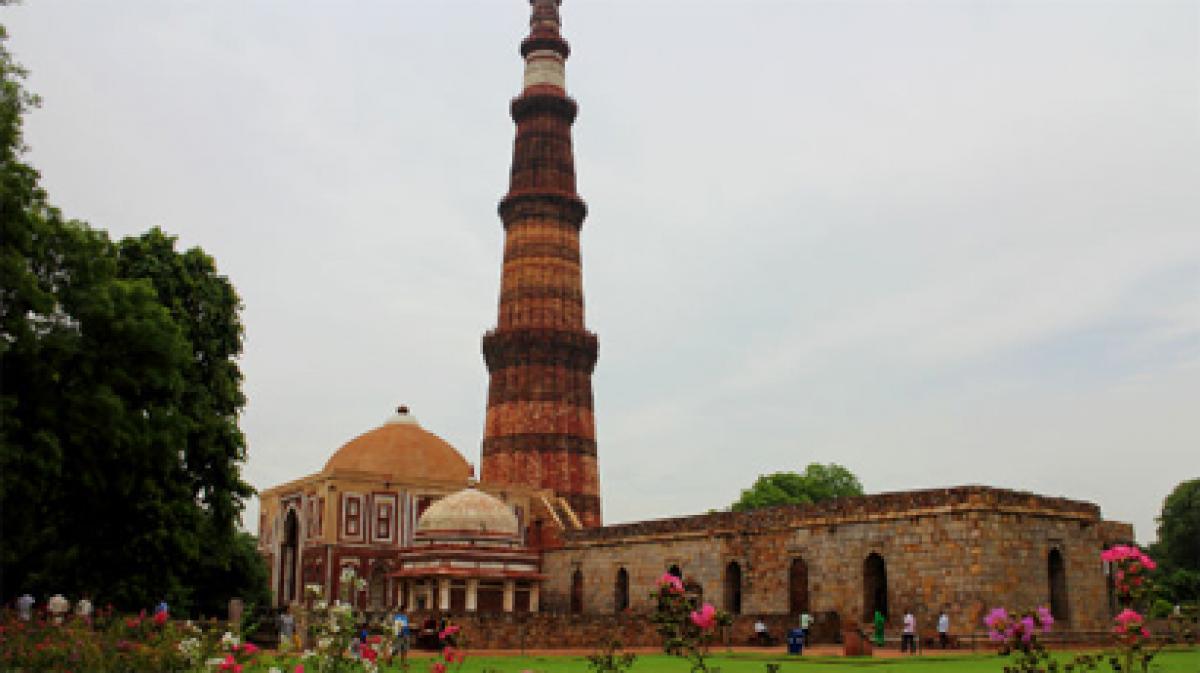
point(412, 594)
point(472, 594)
point(510, 590)
point(444, 594)
point(535, 590)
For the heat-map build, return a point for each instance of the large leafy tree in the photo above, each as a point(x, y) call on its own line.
point(1178, 547)
point(817, 482)
point(119, 445)
point(1179, 527)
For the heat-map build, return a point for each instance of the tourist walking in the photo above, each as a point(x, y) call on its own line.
point(25, 607)
point(401, 638)
point(877, 637)
point(943, 627)
point(287, 630)
point(58, 606)
point(908, 640)
point(760, 633)
point(84, 608)
point(805, 623)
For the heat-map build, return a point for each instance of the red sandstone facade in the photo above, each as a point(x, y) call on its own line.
point(539, 431)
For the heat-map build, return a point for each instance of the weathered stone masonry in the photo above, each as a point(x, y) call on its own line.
point(965, 549)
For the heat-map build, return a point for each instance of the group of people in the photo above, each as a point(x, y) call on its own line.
point(908, 637)
point(57, 607)
point(763, 637)
point(401, 641)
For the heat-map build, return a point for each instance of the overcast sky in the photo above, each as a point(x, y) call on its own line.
point(939, 243)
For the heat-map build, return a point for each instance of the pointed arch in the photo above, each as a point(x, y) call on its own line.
point(577, 591)
point(875, 588)
point(621, 591)
point(289, 553)
point(798, 586)
point(1056, 571)
point(733, 588)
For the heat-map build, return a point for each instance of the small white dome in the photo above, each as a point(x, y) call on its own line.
point(469, 511)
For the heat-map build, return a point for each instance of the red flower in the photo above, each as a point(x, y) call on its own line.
point(368, 653)
point(437, 667)
point(160, 617)
point(248, 648)
point(374, 640)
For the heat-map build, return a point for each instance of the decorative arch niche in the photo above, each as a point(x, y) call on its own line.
point(875, 588)
point(1056, 571)
point(733, 588)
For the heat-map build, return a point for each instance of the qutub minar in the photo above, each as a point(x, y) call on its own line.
point(398, 506)
point(540, 430)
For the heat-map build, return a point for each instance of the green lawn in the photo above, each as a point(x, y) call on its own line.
point(1166, 662)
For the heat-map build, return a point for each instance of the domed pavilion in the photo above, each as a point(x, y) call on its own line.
point(380, 507)
point(468, 555)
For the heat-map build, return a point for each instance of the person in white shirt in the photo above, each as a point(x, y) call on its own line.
point(25, 607)
point(760, 632)
point(908, 641)
point(944, 629)
point(84, 608)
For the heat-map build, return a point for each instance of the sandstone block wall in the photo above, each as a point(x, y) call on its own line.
point(964, 550)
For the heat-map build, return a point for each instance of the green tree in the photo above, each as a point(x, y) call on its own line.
point(1179, 527)
point(119, 445)
point(1178, 547)
point(817, 483)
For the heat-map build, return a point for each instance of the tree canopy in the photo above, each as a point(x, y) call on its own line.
point(1178, 547)
point(120, 450)
point(817, 482)
point(1179, 527)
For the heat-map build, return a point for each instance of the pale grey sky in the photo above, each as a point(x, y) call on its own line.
point(939, 243)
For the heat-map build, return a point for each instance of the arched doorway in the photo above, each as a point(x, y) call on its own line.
point(377, 589)
point(875, 589)
point(733, 588)
point(1057, 576)
point(798, 587)
point(289, 554)
point(621, 591)
point(577, 592)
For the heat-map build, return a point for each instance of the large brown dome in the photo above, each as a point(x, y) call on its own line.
point(404, 451)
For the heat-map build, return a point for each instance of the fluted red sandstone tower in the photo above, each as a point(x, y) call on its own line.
point(539, 430)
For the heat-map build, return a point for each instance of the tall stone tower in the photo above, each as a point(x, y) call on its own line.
point(539, 430)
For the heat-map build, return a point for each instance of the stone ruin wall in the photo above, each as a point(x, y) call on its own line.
point(967, 549)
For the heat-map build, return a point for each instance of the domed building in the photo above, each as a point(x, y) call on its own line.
point(380, 507)
point(468, 555)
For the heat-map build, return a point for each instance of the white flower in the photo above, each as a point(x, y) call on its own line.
point(274, 669)
point(229, 640)
point(324, 643)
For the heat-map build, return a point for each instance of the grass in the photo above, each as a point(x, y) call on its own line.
point(1180, 661)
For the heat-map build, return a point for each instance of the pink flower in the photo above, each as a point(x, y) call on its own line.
point(437, 667)
point(671, 582)
point(299, 668)
point(1027, 627)
point(705, 617)
point(1046, 618)
point(249, 648)
point(1127, 617)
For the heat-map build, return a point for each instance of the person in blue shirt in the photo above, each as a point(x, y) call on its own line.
point(402, 637)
